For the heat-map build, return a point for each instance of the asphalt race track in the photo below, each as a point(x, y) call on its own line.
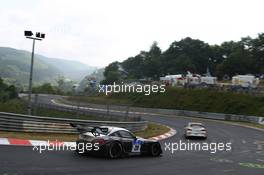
point(246, 156)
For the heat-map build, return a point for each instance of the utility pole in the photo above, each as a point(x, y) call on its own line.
point(39, 36)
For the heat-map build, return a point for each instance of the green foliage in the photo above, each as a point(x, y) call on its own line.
point(15, 64)
point(230, 58)
point(7, 92)
point(20, 107)
point(46, 88)
point(13, 106)
point(186, 99)
point(112, 74)
point(197, 100)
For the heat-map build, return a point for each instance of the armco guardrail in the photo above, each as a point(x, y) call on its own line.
point(140, 111)
point(103, 114)
point(198, 114)
point(27, 123)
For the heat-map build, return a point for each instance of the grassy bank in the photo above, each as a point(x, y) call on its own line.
point(18, 106)
point(187, 99)
point(152, 130)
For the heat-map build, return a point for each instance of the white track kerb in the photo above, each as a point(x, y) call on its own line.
point(25, 142)
point(171, 133)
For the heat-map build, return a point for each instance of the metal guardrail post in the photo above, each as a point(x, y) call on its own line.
point(127, 112)
point(35, 104)
point(107, 109)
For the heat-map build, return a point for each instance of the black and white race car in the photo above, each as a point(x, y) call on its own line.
point(114, 142)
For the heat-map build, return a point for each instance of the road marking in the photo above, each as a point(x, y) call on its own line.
point(222, 160)
point(252, 165)
point(227, 171)
point(245, 151)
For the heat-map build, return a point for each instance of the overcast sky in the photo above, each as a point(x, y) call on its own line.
point(98, 32)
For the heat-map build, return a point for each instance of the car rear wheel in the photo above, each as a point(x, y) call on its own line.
point(115, 150)
point(155, 149)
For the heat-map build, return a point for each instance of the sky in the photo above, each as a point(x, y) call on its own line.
point(98, 32)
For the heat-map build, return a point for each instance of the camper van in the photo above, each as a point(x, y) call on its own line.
point(245, 81)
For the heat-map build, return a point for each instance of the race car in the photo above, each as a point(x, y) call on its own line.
point(114, 142)
point(194, 130)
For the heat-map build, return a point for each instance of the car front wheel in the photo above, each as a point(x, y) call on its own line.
point(155, 149)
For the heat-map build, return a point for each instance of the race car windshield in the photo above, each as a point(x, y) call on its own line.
point(197, 126)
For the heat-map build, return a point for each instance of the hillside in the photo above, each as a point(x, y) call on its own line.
point(70, 69)
point(15, 66)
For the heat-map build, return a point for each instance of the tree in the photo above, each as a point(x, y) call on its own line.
point(242, 57)
point(237, 60)
point(7, 92)
point(60, 81)
point(45, 88)
point(152, 62)
point(257, 49)
point(112, 74)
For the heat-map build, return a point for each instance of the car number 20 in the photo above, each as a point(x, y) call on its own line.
point(136, 145)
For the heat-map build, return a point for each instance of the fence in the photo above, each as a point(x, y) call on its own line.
point(198, 114)
point(139, 111)
point(27, 123)
point(104, 114)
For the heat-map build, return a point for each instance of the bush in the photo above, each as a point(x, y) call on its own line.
point(46, 88)
point(7, 92)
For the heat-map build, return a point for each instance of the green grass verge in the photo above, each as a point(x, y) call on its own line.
point(248, 124)
point(18, 106)
point(152, 130)
point(187, 99)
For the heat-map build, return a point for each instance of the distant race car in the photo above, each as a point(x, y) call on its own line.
point(114, 142)
point(195, 130)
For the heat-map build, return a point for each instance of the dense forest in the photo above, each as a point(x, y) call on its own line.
point(230, 58)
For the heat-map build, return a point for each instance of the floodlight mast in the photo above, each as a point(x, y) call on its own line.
point(39, 36)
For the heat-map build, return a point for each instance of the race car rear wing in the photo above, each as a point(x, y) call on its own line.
point(93, 129)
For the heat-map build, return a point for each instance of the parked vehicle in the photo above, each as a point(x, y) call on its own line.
point(173, 80)
point(245, 81)
point(209, 81)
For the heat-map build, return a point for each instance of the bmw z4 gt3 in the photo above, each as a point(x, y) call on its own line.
point(114, 142)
